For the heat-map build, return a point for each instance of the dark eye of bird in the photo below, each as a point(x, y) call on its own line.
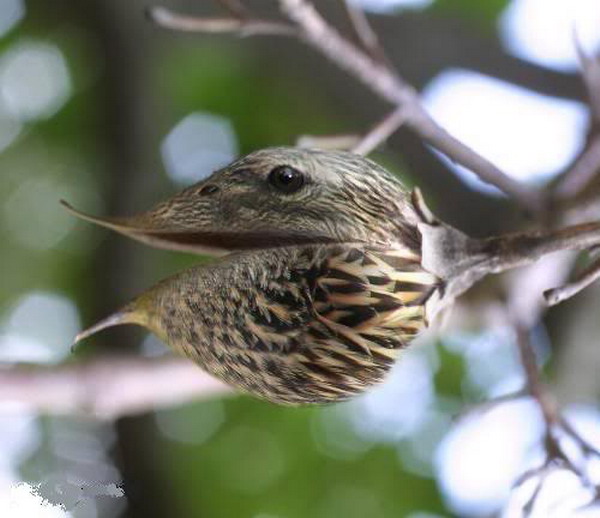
point(208, 189)
point(286, 179)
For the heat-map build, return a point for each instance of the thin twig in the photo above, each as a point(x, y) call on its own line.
point(581, 173)
point(587, 277)
point(378, 77)
point(242, 26)
point(379, 133)
point(490, 404)
point(587, 165)
point(364, 33)
point(535, 386)
point(317, 33)
point(554, 422)
point(590, 71)
point(585, 446)
point(109, 387)
point(328, 141)
point(542, 473)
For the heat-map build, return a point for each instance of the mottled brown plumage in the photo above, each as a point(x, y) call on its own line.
point(324, 282)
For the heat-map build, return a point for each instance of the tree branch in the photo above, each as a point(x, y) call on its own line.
point(378, 77)
point(328, 141)
point(590, 71)
point(242, 26)
point(383, 81)
point(581, 173)
point(364, 33)
point(588, 276)
point(380, 132)
point(108, 387)
point(587, 165)
point(555, 424)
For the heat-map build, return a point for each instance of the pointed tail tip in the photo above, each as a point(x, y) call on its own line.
point(78, 213)
point(116, 319)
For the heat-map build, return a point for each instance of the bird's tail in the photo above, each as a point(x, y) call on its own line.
point(126, 315)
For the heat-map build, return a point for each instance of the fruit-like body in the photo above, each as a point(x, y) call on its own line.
point(301, 324)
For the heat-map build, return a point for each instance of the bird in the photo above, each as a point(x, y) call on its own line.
point(326, 268)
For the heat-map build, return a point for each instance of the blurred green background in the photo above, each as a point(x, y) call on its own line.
point(102, 109)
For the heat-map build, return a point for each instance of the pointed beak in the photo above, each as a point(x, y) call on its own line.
point(156, 229)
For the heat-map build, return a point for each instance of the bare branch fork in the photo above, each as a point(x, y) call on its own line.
point(370, 67)
point(556, 427)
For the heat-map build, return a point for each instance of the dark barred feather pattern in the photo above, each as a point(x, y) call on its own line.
point(319, 326)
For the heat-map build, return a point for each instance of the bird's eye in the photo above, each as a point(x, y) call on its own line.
point(208, 189)
point(286, 179)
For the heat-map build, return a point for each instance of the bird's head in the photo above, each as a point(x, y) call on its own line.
point(277, 197)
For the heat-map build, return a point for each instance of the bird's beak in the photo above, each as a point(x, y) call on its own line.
point(161, 230)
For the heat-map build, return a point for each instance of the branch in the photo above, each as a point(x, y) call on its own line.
point(383, 81)
point(581, 173)
point(555, 424)
point(587, 166)
point(380, 132)
point(587, 277)
point(108, 387)
point(242, 26)
point(328, 141)
point(378, 77)
point(534, 383)
point(364, 33)
point(361, 145)
point(590, 70)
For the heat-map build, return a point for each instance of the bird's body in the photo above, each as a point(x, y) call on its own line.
point(295, 325)
point(331, 268)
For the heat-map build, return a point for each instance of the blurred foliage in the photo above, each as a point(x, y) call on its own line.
point(485, 12)
point(261, 460)
point(265, 461)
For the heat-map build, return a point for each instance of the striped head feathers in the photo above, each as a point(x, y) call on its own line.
point(278, 197)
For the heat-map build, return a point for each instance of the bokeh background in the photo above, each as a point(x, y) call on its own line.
point(101, 108)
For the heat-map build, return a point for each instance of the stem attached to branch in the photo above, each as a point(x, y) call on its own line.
point(462, 261)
